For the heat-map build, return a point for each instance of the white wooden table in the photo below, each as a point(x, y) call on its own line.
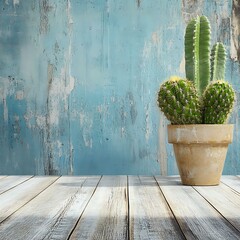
point(117, 207)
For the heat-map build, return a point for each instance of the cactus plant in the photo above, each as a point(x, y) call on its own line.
point(194, 100)
point(218, 99)
point(179, 101)
point(197, 52)
point(218, 62)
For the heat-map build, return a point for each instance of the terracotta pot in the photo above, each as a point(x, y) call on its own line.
point(200, 151)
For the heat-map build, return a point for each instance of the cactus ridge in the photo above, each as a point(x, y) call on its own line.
point(194, 100)
point(197, 52)
point(218, 101)
point(179, 101)
point(218, 61)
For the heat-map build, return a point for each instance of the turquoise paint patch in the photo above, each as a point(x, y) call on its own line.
point(86, 79)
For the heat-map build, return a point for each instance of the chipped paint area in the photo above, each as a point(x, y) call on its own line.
point(9, 87)
point(79, 83)
point(20, 95)
point(4, 91)
point(16, 2)
point(191, 9)
point(45, 9)
point(235, 31)
point(59, 91)
point(86, 124)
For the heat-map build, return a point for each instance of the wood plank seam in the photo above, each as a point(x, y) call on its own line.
point(16, 184)
point(175, 218)
point(106, 214)
point(65, 209)
point(29, 201)
point(230, 224)
point(233, 190)
point(73, 228)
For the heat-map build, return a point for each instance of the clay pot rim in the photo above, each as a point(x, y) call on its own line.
point(202, 124)
point(200, 133)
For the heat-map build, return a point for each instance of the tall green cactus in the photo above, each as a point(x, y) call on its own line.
point(195, 100)
point(218, 62)
point(197, 52)
point(218, 97)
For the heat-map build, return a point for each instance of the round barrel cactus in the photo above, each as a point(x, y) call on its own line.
point(178, 100)
point(218, 100)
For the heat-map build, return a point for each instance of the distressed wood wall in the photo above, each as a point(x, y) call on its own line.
point(78, 82)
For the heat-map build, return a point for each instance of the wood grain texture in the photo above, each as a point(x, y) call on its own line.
point(225, 200)
point(9, 182)
point(196, 217)
point(51, 214)
point(15, 198)
point(106, 215)
point(150, 217)
point(67, 220)
point(232, 181)
point(119, 207)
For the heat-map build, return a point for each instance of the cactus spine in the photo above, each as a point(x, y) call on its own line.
point(218, 62)
point(197, 52)
point(179, 101)
point(219, 96)
point(194, 100)
point(218, 100)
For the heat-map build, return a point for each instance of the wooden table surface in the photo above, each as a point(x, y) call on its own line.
point(117, 207)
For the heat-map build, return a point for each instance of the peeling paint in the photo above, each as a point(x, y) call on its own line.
point(86, 124)
point(162, 154)
point(155, 38)
point(9, 87)
point(41, 121)
point(5, 111)
point(4, 91)
point(182, 65)
point(133, 109)
point(191, 9)
point(235, 31)
point(70, 19)
point(70, 167)
point(16, 127)
point(58, 93)
point(16, 2)
point(82, 82)
point(20, 95)
point(138, 3)
point(148, 130)
point(45, 9)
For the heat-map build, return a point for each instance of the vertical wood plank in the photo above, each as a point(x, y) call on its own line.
point(150, 217)
point(53, 213)
point(15, 198)
point(11, 181)
point(106, 215)
point(196, 217)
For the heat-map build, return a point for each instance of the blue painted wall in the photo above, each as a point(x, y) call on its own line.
point(79, 78)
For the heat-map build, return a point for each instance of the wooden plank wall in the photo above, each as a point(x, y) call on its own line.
point(78, 82)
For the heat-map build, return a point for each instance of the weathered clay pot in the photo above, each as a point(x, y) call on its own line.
point(200, 151)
